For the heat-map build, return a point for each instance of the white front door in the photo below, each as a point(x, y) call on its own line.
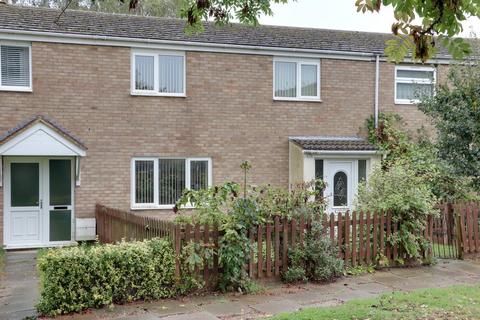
point(339, 192)
point(38, 197)
point(23, 202)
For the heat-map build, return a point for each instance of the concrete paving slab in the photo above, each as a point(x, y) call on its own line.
point(324, 304)
point(203, 315)
point(226, 308)
point(372, 287)
point(310, 297)
point(278, 306)
point(348, 295)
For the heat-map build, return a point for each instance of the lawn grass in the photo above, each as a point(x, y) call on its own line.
point(457, 302)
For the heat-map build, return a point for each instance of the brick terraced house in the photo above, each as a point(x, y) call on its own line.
point(129, 111)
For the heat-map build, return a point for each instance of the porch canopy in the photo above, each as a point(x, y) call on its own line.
point(341, 162)
point(332, 144)
point(41, 136)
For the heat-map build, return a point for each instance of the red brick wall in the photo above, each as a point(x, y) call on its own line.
point(228, 114)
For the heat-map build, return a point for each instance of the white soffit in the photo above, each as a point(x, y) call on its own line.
point(40, 140)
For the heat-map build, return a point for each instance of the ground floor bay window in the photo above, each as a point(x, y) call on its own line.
point(341, 162)
point(157, 183)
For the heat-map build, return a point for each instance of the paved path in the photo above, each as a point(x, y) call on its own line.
point(18, 285)
point(18, 293)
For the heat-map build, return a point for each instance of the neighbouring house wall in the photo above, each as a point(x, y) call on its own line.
point(228, 114)
point(296, 163)
point(413, 118)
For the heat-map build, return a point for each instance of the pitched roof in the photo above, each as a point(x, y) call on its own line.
point(7, 135)
point(327, 143)
point(169, 29)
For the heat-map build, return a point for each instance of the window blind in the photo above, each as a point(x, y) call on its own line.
point(15, 66)
point(285, 79)
point(144, 72)
point(144, 181)
point(171, 178)
point(198, 174)
point(171, 74)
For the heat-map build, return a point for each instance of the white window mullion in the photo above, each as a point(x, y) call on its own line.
point(155, 182)
point(299, 79)
point(156, 73)
point(187, 173)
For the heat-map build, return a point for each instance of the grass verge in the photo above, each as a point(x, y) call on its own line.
point(457, 302)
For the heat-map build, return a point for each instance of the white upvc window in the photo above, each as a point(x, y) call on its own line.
point(412, 83)
point(158, 73)
point(296, 79)
point(15, 66)
point(157, 183)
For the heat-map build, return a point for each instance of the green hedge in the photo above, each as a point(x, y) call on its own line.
point(76, 278)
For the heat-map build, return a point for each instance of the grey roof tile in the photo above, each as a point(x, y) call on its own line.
point(328, 143)
point(152, 28)
point(40, 118)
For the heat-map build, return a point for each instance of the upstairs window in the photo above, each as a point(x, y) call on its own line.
point(413, 83)
point(160, 182)
point(296, 79)
point(15, 67)
point(158, 73)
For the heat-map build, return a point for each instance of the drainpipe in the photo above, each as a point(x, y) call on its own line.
point(377, 80)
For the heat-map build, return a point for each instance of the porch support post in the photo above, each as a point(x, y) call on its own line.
point(77, 171)
point(1, 171)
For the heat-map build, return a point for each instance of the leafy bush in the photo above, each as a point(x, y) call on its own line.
point(317, 260)
point(455, 114)
point(409, 199)
point(421, 155)
point(76, 278)
point(235, 215)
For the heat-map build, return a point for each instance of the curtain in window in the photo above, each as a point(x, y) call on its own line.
point(413, 91)
point(171, 180)
point(15, 66)
point(144, 181)
point(198, 174)
point(285, 79)
point(309, 80)
point(144, 72)
point(171, 74)
point(362, 170)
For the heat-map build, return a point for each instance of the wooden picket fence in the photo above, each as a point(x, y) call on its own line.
point(361, 237)
point(468, 225)
point(115, 225)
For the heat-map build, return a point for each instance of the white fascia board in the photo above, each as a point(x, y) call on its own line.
point(345, 152)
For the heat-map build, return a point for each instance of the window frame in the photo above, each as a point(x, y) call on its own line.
point(156, 73)
point(155, 204)
point(413, 80)
point(299, 63)
point(17, 88)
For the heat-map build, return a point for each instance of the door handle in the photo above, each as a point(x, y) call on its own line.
point(41, 204)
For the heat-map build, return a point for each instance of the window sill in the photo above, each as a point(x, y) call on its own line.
point(298, 99)
point(158, 207)
point(406, 102)
point(16, 89)
point(155, 94)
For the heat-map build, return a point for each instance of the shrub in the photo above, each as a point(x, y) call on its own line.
point(316, 260)
point(236, 214)
point(76, 278)
point(408, 197)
